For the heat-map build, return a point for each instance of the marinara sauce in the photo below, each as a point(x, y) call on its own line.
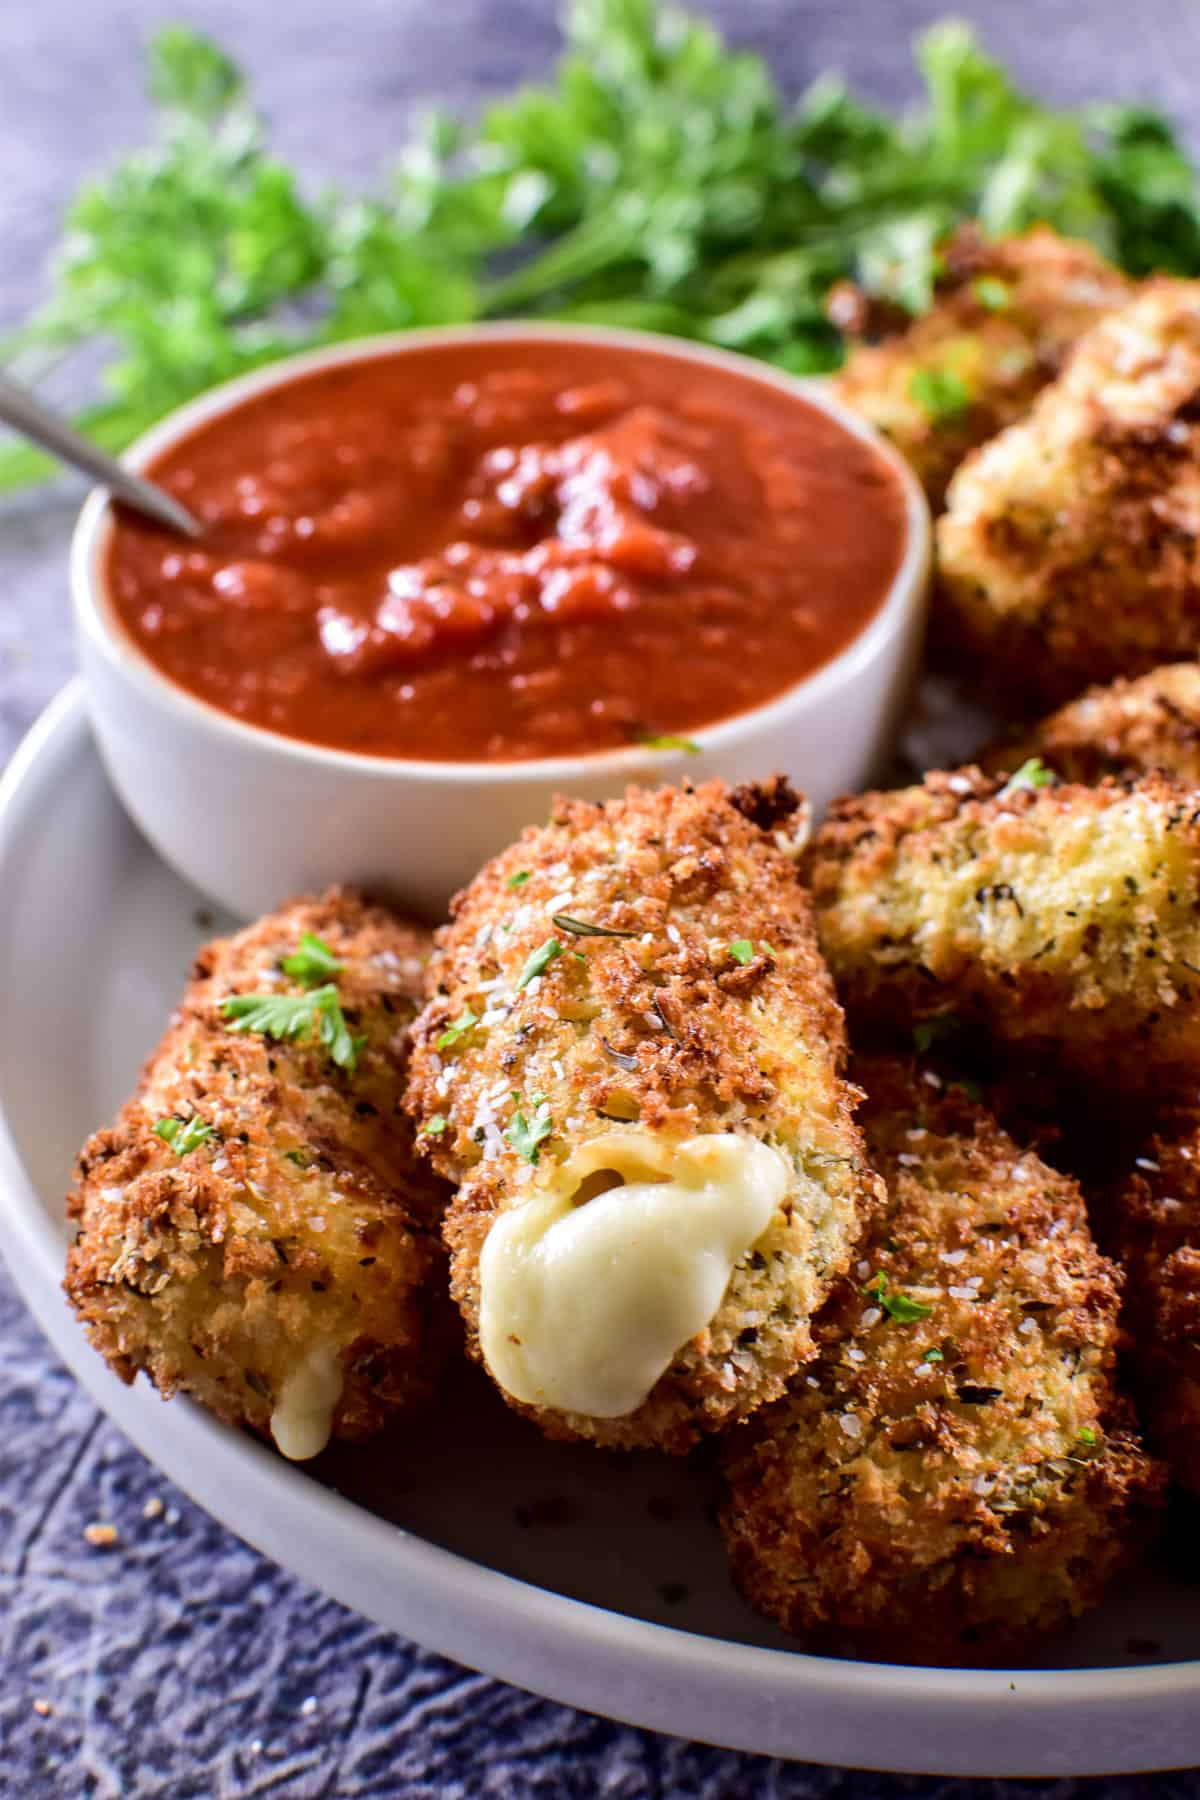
point(509, 549)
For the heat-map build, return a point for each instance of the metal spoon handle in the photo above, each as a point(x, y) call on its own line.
point(26, 414)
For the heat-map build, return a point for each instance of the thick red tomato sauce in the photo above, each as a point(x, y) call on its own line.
point(508, 550)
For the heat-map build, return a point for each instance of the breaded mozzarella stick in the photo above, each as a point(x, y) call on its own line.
point(1157, 1236)
point(1062, 919)
point(1067, 553)
point(254, 1229)
point(1127, 728)
point(631, 1068)
point(1003, 318)
point(955, 1476)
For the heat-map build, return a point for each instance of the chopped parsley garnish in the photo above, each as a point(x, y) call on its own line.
point(666, 741)
point(291, 1017)
point(183, 1134)
point(519, 879)
point(538, 961)
point(933, 1031)
point(1087, 1435)
point(903, 1308)
point(941, 394)
point(434, 1127)
point(312, 963)
point(273, 1015)
point(742, 951)
point(933, 1356)
point(993, 293)
point(1031, 775)
point(336, 1035)
point(298, 1157)
point(527, 1135)
point(457, 1028)
point(898, 1305)
point(585, 928)
point(769, 950)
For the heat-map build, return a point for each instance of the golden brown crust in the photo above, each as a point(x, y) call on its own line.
point(957, 1476)
point(661, 1028)
point(1157, 1236)
point(305, 1218)
point(1004, 316)
point(1128, 727)
point(1068, 553)
point(1064, 919)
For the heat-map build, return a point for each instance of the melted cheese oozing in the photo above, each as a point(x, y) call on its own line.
point(589, 1288)
point(302, 1421)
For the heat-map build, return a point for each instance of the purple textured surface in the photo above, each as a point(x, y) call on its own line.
point(177, 1662)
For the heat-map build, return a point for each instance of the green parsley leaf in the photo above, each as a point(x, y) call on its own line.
point(928, 1032)
point(527, 1135)
point(742, 951)
point(992, 293)
point(903, 1308)
point(1087, 1435)
point(457, 1028)
point(191, 77)
point(941, 394)
point(584, 927)
point(298, 1157)
point(933, 1356)
point(344, 1048)
point(767, 950)
point(1032, 774)
point(435, 1127)
point(183, 1135)
point(290, 1017)
point(897, 1304)
point(538, 961)
point(312, 963)
point(519, 879)
point(280, 1016)
point(667, 741)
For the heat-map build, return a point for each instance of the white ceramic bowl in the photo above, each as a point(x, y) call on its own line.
point(250, 816)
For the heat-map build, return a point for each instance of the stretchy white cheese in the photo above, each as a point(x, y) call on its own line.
point(590, 1287)
point(302, 1421)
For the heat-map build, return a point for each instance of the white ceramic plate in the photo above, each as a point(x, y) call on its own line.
point(594, 1579)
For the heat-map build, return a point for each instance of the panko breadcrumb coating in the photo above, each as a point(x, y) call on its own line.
point(1128, 727)
point(1069, 552)
point(279, 1260)
point(955, 1476)
point(1157, 1236)
point(1064, 919)
point(706, 1010)
point(1004, 316)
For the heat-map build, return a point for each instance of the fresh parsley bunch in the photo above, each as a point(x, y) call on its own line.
point(199, 258)
point(658, 180)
